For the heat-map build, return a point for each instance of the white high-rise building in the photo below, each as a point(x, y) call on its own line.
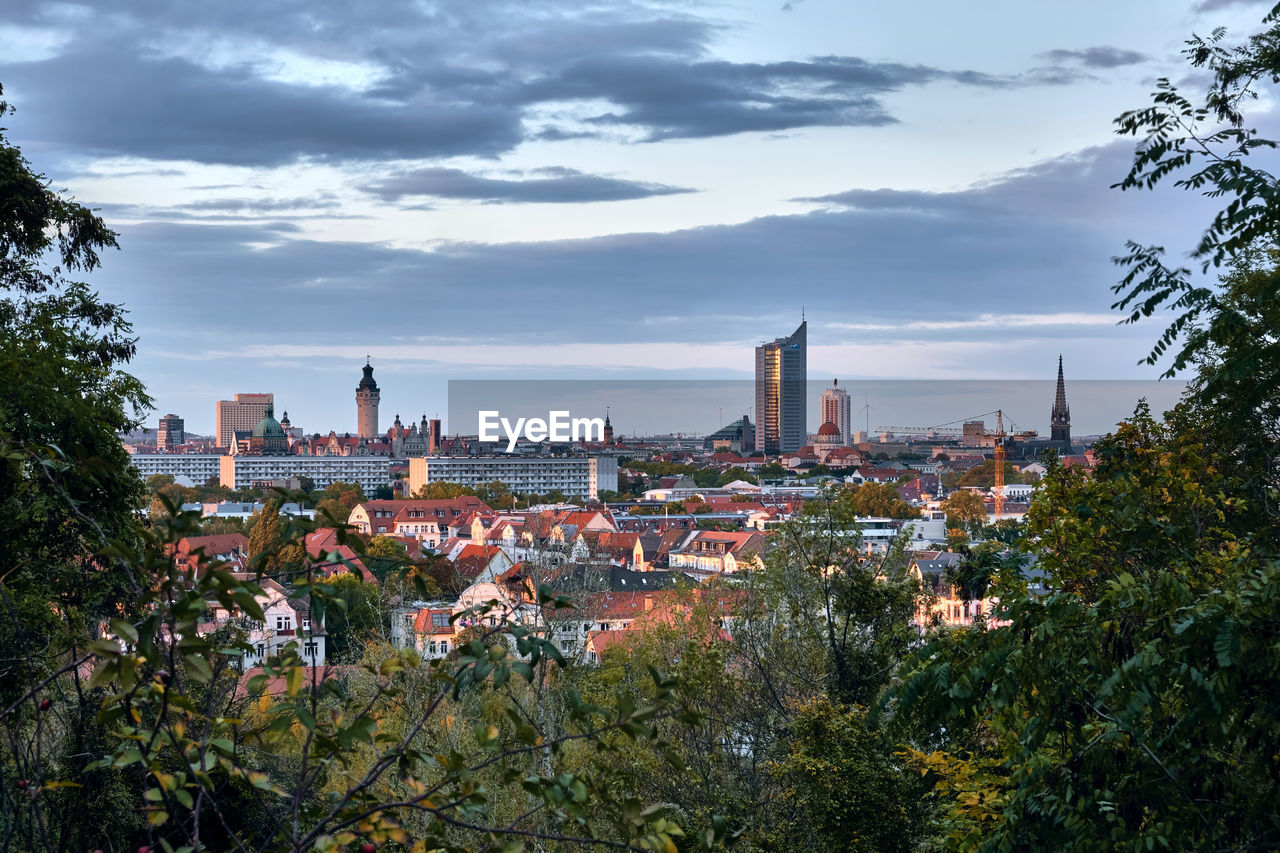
point(834, 408)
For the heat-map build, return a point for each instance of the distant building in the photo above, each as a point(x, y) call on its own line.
point(1060, 416)
point(171, 433)
point(575, 476)
point(367, 397)
point(781, 368)
point(972, 432)
point(242, 471)
point(834, 408)
point(1059, 441)
point(739, 436)
point(268, 437)
point(196, 467)
point(240, 414)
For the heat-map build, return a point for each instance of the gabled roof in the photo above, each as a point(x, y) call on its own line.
point(323, 544)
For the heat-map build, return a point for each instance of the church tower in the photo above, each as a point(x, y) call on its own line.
point(367, 396)
point(1060, 417)
point(608, 428)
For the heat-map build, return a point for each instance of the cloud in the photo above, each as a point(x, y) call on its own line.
point(1097, 57)
point(673, 98)
point(1210, 5)
point(323, 201)
point(238, 84)
point(173, 109)
point(561, 185)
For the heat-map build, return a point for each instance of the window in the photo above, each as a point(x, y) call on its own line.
point(431, 647)
point(439, 620)
point(283, 623)
point(306, 624)
point(444, 647)
point(261, 649)
point(408, 619)
point(311, 649)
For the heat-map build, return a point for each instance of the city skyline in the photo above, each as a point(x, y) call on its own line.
point(571, 160)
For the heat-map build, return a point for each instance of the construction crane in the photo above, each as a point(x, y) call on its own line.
point(998, 460)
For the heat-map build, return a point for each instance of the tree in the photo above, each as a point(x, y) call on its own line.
point(350, 495)
point(273, 546)
point(772, 471)
point(965, 507)
point(880, 500)
point(385, 555)
point(158, 481)
point(735, 473)
point(352, 627)
point(983, 476)
point(496, 494)
point(66, 490)
point(441, 490)
point(980, 564)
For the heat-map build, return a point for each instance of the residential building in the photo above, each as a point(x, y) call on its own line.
point(780, 393)
point(426, 520)
point(195, 467)
point(575, 476)
point(171, 432)
point(717, 552)
point(286, 620)
point(243, 471)
point(240, 414)
point(834, 408)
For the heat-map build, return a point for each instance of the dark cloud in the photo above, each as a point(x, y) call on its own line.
point(560, 185)
point(476, 80)
point(1097, 57)
point(670, 98)
point(172, 109)
point(1210, 5)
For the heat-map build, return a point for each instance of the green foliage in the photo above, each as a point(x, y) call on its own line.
point(879, 500)
point(772, 471)
point(1120, 710)
point(349, 495)
point(983, 563)
point(983, 476)
point(357, 622)
point(847, 790)
point(965, 508)
point(441, 490)
point(274, 543)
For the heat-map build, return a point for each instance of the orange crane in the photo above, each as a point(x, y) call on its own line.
point(998, 460)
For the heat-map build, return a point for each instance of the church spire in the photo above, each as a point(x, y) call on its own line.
point(1060, 417)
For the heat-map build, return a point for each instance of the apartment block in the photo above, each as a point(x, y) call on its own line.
point(242, 472)
point(575, 476)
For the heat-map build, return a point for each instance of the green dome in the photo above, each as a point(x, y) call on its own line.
point(268, 427)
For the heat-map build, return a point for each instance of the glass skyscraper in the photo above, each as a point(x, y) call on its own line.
point(780, 393)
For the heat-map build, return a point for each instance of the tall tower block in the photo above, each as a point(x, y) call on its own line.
point(780, 393)
point(367, 397)
point(1060, 417)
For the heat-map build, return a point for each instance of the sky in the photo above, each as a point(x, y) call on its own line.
point(552, 189)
